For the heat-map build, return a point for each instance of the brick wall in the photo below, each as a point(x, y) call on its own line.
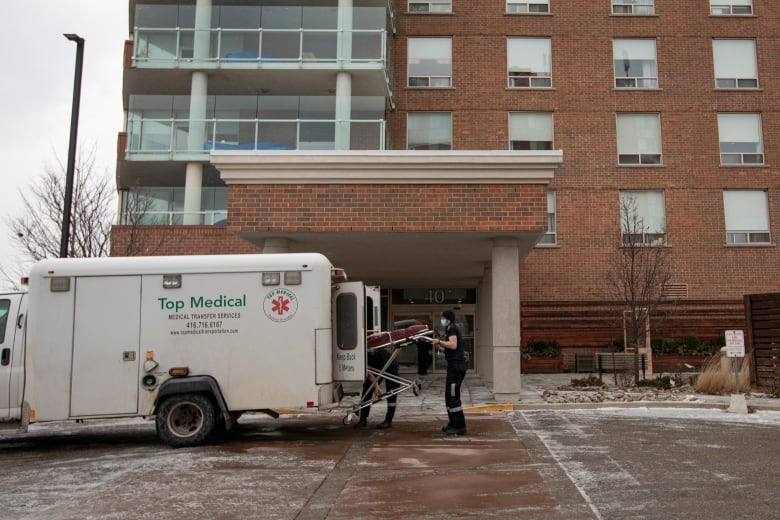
point(378, 208)
point(177, 240)
point(584, 104)
point(562, 286)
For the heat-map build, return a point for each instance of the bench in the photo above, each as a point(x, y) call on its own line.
point(619, 362)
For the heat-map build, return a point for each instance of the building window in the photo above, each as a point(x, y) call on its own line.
point(740, 139)
point(635, 63)
point(747, 216)
point(642, 217)
point(550, 236)
point(528, 62)
point(531, 131)
point(735, 63)
point(528, 6)
point(731, 7)
point(430, 62)
point(639, 139)
point(429, 131)
point(633, 6)
point(435, 6)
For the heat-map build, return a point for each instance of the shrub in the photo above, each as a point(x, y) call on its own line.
point(588, 382)
point(691, 343)
point(664, 383)
point(662, 346)
point(539, 348)
point(616, 345)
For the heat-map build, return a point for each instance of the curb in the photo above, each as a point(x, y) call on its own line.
point(498, 407)
point(507, 407)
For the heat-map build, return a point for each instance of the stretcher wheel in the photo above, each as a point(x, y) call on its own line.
point(416, 388)
point(347, 419)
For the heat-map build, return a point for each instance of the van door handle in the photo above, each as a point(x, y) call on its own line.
point(5, 358)
point(19, 320)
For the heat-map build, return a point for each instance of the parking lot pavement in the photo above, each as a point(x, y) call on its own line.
point(305, 467)
point(613, 463)
point(536, 463)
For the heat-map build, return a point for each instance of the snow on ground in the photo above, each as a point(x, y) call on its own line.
point(699, 414)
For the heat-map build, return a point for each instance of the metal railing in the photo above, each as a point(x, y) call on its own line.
point(261, 47)
point(171, 136)
point(173, 218)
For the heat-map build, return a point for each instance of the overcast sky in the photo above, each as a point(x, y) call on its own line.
point(37, 66)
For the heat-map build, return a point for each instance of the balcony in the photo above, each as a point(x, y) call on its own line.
point(261, 48)
point(165, 207)
point(176, 139)
point(284, 48)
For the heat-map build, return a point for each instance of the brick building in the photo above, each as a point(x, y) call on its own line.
point(466, 154)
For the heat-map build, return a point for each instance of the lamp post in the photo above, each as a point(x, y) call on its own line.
point(74, 127)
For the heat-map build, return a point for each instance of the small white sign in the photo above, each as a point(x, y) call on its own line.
point(735, 343)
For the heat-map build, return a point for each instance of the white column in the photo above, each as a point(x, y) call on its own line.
point(195, 142)
point(505, 300)
point(345, 26)
point(202, 37)
point(485, 326)
point(196, 136)
point(344, 79)
point(343, 109)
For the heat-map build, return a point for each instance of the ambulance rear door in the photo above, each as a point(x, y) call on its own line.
point(349, 332)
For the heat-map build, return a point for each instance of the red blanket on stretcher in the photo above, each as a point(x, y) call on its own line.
point(380, 339)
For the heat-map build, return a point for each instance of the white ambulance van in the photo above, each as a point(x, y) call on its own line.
point(193, 341)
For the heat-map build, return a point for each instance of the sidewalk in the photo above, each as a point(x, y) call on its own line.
point(477, 396)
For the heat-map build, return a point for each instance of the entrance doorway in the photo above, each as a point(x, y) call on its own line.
point(410, 358)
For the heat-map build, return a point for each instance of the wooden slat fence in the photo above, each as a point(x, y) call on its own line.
point(763, 336)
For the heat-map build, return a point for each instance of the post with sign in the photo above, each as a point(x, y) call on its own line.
point(735, 348)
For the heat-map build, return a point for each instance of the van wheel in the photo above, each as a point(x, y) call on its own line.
point(185, 419)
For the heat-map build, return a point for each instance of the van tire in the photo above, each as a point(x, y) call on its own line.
point(185, 419)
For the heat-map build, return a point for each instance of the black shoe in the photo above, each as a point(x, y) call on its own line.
point(384, 425)
point(445, 428)
point(455, 431)
point(362, 423)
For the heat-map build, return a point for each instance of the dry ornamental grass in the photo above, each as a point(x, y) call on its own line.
point(715, 379)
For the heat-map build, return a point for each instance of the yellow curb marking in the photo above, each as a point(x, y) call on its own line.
point(506, 407)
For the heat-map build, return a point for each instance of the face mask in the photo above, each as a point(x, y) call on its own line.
point(443, 322)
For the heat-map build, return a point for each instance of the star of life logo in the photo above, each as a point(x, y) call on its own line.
point(280, 305)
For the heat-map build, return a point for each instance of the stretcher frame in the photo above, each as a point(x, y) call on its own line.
point(369, 397)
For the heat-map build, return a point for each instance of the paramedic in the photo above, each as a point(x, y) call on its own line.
point(377, 359)
point(455, 355)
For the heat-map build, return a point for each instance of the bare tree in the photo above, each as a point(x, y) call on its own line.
point(37, 230)
point(137, 214)
point(638, 272)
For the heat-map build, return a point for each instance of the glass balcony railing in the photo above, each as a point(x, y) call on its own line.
point(260, 48)
point(186, 139)
point(174, 218)
point(164, 206)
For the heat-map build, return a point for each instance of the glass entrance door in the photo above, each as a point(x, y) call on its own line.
point(413, 358)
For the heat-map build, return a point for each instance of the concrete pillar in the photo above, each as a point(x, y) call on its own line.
point(196, 139)
point(485, 326)
point(344, 79)
point(505, 301)
point(343, 109)
point(345, 26)
point(202, 37)
point(276, 245)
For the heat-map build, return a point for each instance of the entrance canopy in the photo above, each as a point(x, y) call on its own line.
point(472, 191)
point(456, 259)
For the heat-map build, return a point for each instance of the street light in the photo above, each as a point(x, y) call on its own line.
point(74, 127)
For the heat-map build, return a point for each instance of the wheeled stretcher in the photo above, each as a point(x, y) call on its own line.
point(394, 340)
